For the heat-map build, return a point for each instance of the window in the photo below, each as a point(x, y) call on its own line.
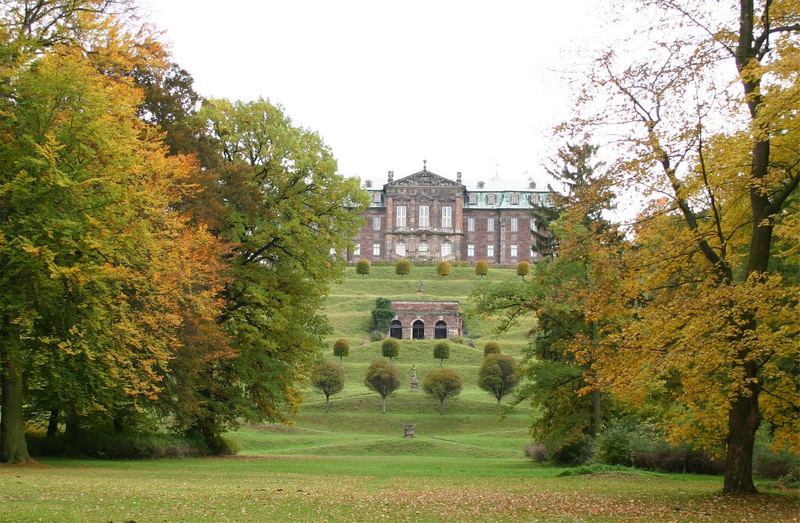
point(423, 216)
point(357, 250)
point(473, 198)
point(396, 330)
point(490, 224)
point(513, 250)
point(400, 218)
point(490, 251)
point(470, 250)
point(400, 249)
point(447, 217)
point(376, 197)
point(491, 199)
point(514, 225)
point(376, 249)
point(423, 246)
point(470, 224)
point(376, 223)
point(447, 249)
point(440, 330)
point(514, 198)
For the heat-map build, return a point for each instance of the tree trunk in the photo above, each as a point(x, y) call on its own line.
point(52, 424)
point(327, 403)
point(743, 421)
point(13, 447)
point(383, 404)
point(596, 413)
point(441, 406)
point(72, 432)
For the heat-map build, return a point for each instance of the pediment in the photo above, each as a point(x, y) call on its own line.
point(424, 178)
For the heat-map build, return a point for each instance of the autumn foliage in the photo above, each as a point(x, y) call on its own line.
point(137, 259)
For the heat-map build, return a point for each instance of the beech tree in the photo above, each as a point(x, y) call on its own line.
point(706, 310)
point(443, 268)
point(284, 207)
point(403, 267)
point(390, 348)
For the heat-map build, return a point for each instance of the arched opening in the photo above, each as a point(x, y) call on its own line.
point(396, 330)
point(418, 330)
point(440, 330)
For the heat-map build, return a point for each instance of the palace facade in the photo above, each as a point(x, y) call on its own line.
point(426, 217)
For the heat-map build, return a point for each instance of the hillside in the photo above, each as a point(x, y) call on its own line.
point(471, 426)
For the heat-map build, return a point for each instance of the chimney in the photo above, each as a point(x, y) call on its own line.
point(391, 176)
point(481, 185)
point(368, 184)
point(458, 177)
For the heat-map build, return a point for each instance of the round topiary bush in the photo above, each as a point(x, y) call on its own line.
point(444, 268)
point(523, 269)
point(491, 347)
point(498, 375)
point(390, 348)
point(329, 379)
point(441, 351)
point(383, 378)
point(482, 268)
point(403, 267)
point(341, 348)
point(442, 384)
point(363, 267)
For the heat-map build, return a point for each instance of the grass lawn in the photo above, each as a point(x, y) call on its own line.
point(352, 464)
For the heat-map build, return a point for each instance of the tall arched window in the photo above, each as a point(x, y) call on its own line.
point(396, 330)
point(418, 330)
point(440, 330)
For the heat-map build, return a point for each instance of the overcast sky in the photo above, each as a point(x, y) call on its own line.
point(468, 86)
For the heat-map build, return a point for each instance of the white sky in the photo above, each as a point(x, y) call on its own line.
point(469, 86)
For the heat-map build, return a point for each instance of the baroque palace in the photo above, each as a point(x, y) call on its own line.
point(426, 217)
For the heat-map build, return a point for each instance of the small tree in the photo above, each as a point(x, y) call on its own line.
point(491, 347)
point(523, 269)
point(390, 348)
point(403, 267)
point(329, 379)
point(442, 384)
point(482, 268)
point(383, 378)
point(363, 267)
point(441, 351)
point(498, 375)
point(443, 268)
point(341, 348)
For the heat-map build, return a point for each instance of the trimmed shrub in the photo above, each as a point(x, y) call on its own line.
point(536, 451)
point(403, 267)
point(443, 268)
point(481, 268)
point(376, 335)
point(383, 378)
point(341, 348)
point(105, 445)
point(498, 375)
point(390, 348)
point(442, 384)
point(491, 347)
point(382, 315)
point(441, 351)
point(329, 379)
point(523, 269)
point(363, 267)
